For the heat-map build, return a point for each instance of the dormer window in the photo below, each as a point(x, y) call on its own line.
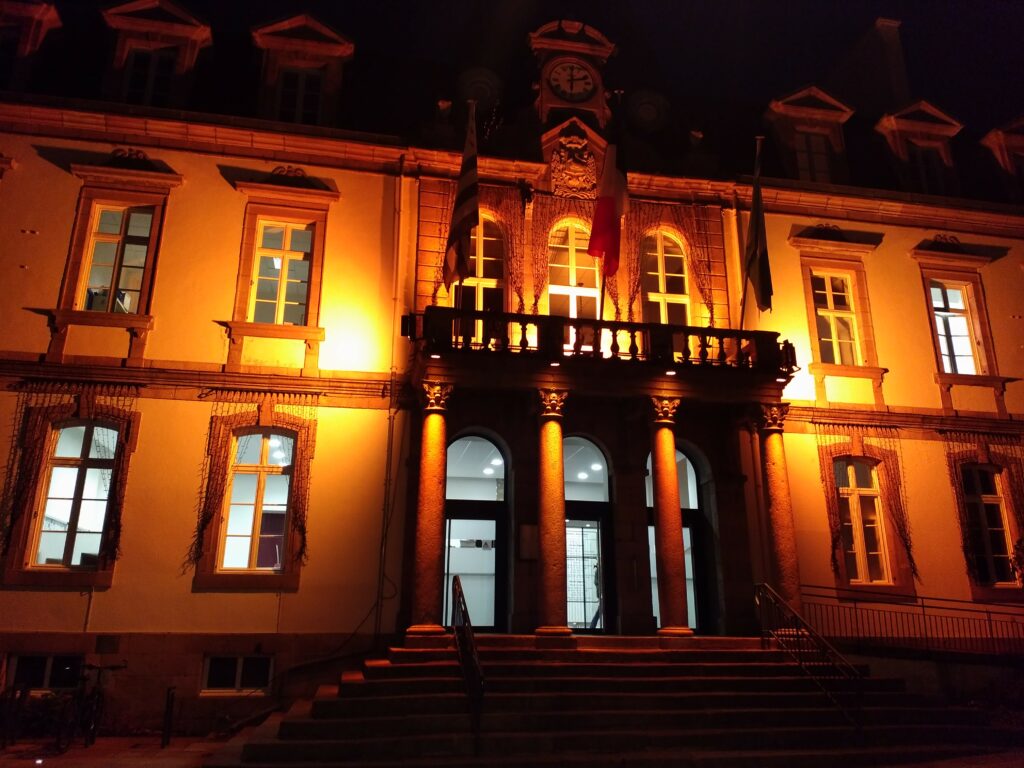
point(302, 66)
point(1007, 147)
point(809, 127)
point(23, 26)
point(157, 46)
point(919, 137)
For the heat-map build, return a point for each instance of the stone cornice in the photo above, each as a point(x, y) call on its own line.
point(800, 416)
point(253, 138)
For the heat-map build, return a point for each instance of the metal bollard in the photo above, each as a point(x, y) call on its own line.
point(165, 736)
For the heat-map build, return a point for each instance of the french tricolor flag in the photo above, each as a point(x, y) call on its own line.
point(612, 203)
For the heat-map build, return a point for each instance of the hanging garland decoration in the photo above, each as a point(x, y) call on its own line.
point(832, 441)
point(446, 191)
point(881, 444)
point(695, 222)
point(1007, 452)
point(507, 204)
point(548, 210)
point(39, 406)
point(644, 216)
point(893, 490)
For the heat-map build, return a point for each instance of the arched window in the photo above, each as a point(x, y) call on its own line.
point(484, 286)
point(666, 298)
point(573, 280)
point(988, 533)
point(586, 471)
point(476, 470)
point(587, 513)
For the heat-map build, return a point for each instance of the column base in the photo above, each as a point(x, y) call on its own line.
point(675, 632)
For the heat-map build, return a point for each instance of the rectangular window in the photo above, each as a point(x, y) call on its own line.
point(860, 518)
point(282, 273)
point(257, 513)
point(237, 674)
point(148, 76)
point(119, 254)
point(812, 157)
point(44, 672)
point(79, 476)
point(988, 533)
point(299, 96)
point(835, 320)
point(953, 326)
point(929, 168)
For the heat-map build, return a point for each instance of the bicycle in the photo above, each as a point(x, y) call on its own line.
point(83, 710)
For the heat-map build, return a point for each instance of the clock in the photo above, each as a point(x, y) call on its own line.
point(572, 81)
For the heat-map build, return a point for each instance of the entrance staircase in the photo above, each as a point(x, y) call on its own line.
point(605, 702)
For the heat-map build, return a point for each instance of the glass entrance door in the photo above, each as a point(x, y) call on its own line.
point(470, 555)
point(584, 574)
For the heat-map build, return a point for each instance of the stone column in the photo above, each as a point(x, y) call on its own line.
point(553, 614)
point(782, 529)
point(668, 531)
point(428, 574)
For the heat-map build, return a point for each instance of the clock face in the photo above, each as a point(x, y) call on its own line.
point(572, 81)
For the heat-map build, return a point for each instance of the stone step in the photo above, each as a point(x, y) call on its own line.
point(597, 655)
point(495, 722)
point(328, 704)
point(648, 684)
point(606, 741)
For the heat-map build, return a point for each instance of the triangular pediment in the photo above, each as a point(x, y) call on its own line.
point(303, 32)
point(813, 103)
point(574, 153)
point(160, 16)
point(571, 37)
point(924, 114)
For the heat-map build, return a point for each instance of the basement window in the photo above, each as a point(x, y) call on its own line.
point(237, 674)
point(44, 673)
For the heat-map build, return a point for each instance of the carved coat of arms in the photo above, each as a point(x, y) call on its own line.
point(574, 168)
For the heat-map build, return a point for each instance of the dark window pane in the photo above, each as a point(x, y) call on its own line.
point(221, 672)
point(31, 672)
point(255, 672)
point(65, 671)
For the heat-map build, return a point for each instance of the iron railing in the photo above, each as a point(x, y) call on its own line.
point(469, 659)
point(549, 337)
point(865, 619)
point(840, 681)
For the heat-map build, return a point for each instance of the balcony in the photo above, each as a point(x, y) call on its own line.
point(457, 343)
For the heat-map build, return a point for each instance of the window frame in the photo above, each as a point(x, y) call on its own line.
point(662, 297)
point(305, 206)
point(975, 310)
point(112, 188)
point(831, 315)
point(238, 690)
point(475, 282)
point(1002, 499)
point(854, 494)
point(809, 170)
point(208, 575)
point(296, 111)
point(40, 435)
point(577, 231)
point(169, 53)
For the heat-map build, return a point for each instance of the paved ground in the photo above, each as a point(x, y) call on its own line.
point(141, 752)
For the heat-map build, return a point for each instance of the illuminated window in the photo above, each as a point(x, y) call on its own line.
point(953, 326)
point(257, 506)
point(74, 511)
point(484, 288)
point(664, 280)
point(282, 273)
point(119, 254)
point(573, 280)
point(860, 519)
point(835, 320)
point(299, 95)
point(148, 76)
point(812, 156)
point(988, 533)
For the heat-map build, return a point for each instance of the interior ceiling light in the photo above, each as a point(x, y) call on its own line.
point(555, 364)
point(582, 475)
point(435, 357)
point(595, 467)
point(496, 462)
point(488, 470)
point(670, 373)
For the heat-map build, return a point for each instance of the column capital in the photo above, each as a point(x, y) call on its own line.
point(665, 409)
point(771, 416)
point(552, 402)
point(436, 395)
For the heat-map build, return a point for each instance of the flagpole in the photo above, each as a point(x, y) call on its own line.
point(746, 261)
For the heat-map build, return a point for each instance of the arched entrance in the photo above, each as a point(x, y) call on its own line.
point(588, 536)
point(476, 531)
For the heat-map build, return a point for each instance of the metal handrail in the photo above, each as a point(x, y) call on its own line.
point(887, 619)
point(469, 659)
point(816, 657)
